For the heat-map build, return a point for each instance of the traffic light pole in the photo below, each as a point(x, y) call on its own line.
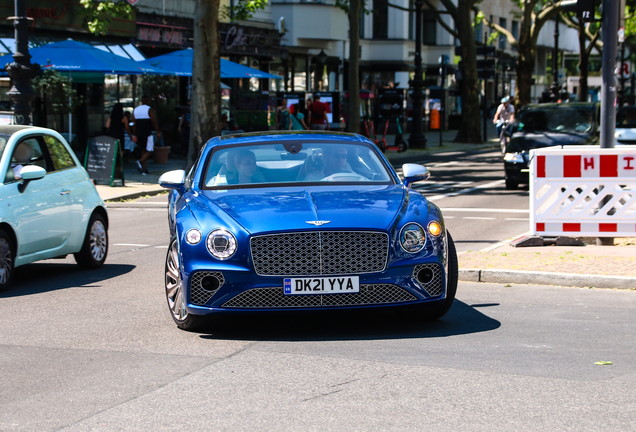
point(417, 138)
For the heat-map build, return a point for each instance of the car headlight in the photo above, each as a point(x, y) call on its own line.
point(412, 238)
point(193, 236)
point(513, 157)
point(221, 244)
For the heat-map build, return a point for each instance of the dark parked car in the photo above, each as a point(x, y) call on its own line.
point(547, 125)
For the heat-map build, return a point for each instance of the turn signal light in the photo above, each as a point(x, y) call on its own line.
point(434, 228)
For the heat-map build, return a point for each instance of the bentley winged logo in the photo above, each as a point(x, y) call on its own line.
point(317, 223)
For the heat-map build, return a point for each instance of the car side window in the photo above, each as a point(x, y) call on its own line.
point(27, 152)
point(59, 154)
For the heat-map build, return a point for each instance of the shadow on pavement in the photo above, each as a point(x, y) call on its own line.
point(45, 277)
point(349, 325)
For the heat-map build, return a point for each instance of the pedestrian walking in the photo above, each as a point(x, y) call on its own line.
point(117, 125)
point(298, 118)
point(283, 122)
point(184, 131)
point(144, 121)
point(318, 115)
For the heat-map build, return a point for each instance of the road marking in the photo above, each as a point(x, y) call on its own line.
point(478, 218)
point(482, 210)
point(518, 219)
point(463, 191)
point(503, 243)
point(161, 247)
point(130, 244)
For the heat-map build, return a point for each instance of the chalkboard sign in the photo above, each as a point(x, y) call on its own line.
point(103, 160)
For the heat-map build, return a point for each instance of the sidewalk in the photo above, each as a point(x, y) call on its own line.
point(579, 266)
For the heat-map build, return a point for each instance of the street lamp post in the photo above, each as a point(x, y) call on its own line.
point(554, 88)
point(417, 138)
point(21, 70)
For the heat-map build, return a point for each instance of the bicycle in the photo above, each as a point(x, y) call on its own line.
point(504, 137)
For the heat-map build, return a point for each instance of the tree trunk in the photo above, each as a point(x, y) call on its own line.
point(205, 118)
point(353, 125)
point(470, 130)
point(525, 70)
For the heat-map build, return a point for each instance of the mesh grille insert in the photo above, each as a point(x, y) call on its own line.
point(435, 287)
point(320, 253)
point(198, 294)
point(264, 298)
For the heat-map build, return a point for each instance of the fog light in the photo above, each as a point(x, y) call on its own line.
point(210, 283)
point(434, 228)
point(193, 236)
point(425, 275)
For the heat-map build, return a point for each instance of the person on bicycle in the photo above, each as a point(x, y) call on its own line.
point(505, 114)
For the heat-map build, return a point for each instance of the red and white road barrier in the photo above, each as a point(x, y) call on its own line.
point(583, 191)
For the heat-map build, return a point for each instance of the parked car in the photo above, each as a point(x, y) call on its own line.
point(50, 207)
point(291, 221)
point(546, 125)
point(626, 126)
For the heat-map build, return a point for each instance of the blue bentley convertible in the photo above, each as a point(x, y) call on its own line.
point(303, 221)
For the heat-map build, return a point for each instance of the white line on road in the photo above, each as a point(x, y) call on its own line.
point(478, 218)
point(463, 191)
point(161, 247)
point(482, 210)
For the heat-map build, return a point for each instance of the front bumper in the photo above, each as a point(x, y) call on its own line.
point(246, 291)
point(517, 172)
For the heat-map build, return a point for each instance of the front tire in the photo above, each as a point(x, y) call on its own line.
point(95, 248)
point(451, 284)
point(7, 256)
point(175, 294)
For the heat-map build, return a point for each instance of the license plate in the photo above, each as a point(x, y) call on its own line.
point(322, 285)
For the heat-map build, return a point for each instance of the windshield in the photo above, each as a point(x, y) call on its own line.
point(626, 118)
point(295, 163)
point(557, 119)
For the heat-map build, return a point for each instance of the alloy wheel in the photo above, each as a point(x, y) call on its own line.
point(98, 241)
point(174, 287)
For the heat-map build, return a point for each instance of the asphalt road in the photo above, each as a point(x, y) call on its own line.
point(478, 210)
point(97, 350)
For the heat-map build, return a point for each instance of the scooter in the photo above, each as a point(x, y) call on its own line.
point(400, 144)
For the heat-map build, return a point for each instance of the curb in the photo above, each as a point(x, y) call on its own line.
point(543, 278)
point(134, 195)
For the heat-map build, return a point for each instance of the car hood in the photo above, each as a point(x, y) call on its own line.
point(529, 141)
point(268, 210)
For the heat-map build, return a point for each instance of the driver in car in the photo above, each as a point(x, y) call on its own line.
point(334, 162)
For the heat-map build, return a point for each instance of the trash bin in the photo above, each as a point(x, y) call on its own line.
point(434, 119)
point(160, 155)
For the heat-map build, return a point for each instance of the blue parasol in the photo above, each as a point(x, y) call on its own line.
point(72, 56)
point(180, 63)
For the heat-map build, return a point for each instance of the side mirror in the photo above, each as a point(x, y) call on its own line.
point(173, 180)
point(30, 173)
point(414, 173)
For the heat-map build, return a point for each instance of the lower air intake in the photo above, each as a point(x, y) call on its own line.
point(429, 277)
point(270, 298)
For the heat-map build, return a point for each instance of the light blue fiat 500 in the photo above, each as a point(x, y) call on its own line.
point(49, 207)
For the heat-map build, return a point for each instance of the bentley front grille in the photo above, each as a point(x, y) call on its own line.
point(430, 278)
point(318, 253)
point(269, 298)
point(203, 285)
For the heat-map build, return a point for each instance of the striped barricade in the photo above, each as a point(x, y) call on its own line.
point(583, 191)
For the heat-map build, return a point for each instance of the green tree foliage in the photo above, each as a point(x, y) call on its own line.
point(99, 14)
point(242, 10)
point(56, 91)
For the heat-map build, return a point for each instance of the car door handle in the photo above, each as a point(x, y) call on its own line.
point(66, 192)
